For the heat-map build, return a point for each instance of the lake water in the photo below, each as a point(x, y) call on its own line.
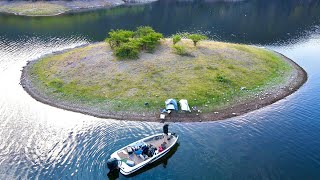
point(280, 141)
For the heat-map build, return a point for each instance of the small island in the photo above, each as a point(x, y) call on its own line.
point(57, 7)
point(131, 75)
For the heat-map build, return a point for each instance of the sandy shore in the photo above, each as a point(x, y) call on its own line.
point(266, 97)
point(56, 7)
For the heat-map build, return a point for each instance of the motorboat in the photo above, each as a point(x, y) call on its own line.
point(136, 155)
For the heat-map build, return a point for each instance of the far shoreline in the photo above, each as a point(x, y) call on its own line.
point(56, 8)
point(270, 96)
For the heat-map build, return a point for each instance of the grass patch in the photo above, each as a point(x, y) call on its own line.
point(56, 84)
point(210, 79)
point(34, 8)
point(180, 50)
point(223, 79)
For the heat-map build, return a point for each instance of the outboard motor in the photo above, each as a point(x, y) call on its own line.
point(113, 164)
point(166, 129)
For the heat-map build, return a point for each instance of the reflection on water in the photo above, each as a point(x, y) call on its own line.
point(280, 141)
point(162, 161)
point(254, 21)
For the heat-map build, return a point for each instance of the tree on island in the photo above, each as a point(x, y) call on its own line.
point(147, 37)
point(116, 37)
point(128, 44)
point(143, 31)
point(176, 38)
point(196, 38)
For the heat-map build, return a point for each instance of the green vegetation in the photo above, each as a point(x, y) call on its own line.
point(150, 41)
point(119, 36)
point(222, 79)
point(196, 38)
point(180, 49)
point(34, 8)
point(176, 38)
point(127, 44)
point(128, 50)
point(211, 78)
point(143, 31)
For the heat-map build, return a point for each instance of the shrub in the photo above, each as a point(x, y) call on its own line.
point(143, 31)
point(176, 38)
point(149, 41)
point(127, 44)
point(180, 49)
point(196, 38)
point(129, 50)
point(119, 36)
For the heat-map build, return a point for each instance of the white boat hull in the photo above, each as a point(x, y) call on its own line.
point(127, 170)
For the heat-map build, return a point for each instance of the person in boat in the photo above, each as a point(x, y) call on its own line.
point(166, 129)
point(145, 150)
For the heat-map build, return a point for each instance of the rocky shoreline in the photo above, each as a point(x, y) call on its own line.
point(27, 8)
point(266, 97)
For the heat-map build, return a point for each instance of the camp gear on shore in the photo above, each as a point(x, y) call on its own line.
point(184, 105)
point(162, 116)
point(171, 104)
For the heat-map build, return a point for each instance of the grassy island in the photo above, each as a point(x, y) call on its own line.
point(57, 7)
point(213, 76)
point(34, 8)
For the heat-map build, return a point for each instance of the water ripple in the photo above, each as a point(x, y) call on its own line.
point(42, 142)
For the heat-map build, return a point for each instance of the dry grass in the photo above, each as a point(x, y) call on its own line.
point(34, 8)
point(210, 77)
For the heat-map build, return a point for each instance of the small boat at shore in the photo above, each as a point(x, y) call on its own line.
point(136, 155)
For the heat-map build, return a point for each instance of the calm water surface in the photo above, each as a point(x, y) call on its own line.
point(281, 141)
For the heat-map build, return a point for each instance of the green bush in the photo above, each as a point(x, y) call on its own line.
point(128, 44)
point(119, 36)
point(128, 50)
point(150, 41)
point(196, 38)
point(176, 38)
point(143, 31)
point(180, 49)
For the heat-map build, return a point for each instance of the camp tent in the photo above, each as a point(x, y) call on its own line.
point(184, 105)
point(171, 104)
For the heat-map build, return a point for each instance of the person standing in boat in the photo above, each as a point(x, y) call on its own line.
point(165, 136)
point(166, 129)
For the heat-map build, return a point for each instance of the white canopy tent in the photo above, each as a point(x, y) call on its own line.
point(184, 105)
